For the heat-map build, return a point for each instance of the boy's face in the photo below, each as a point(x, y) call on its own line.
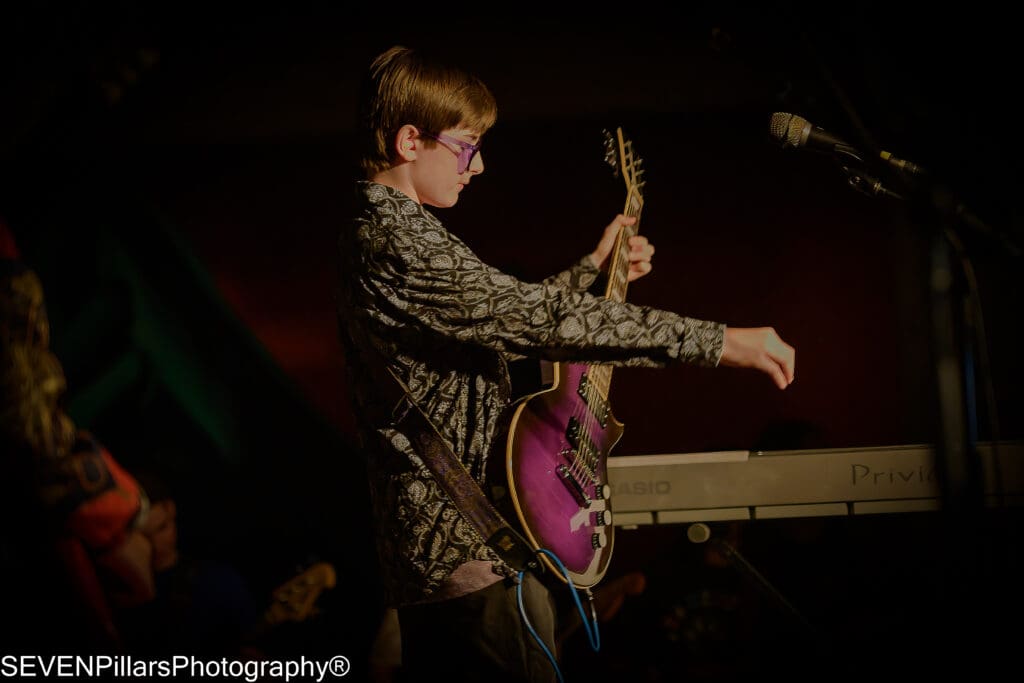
point(436, 174)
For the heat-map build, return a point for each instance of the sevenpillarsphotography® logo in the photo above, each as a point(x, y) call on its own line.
point(107, 667)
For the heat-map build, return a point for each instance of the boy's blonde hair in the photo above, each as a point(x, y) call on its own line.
point(405, 87)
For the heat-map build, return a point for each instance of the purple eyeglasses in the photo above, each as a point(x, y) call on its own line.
point(466, 150)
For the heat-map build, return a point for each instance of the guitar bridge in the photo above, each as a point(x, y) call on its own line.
point(575, 488)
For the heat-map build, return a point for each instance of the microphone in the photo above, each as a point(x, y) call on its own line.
point(797, 132)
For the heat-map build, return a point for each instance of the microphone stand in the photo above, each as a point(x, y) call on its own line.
point(955, 331)
point(971, 570)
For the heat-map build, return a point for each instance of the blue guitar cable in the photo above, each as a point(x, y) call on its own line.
point(593, 634)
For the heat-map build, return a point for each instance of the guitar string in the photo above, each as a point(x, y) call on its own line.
point(584, 412)
point(587, 459)
point(599, 376)
point(603, 379)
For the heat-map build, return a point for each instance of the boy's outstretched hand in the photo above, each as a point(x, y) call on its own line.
point(762, 349)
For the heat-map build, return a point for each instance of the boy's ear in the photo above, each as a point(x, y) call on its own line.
point(406, 142)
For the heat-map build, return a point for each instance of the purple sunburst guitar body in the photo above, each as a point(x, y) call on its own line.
point(559, 439)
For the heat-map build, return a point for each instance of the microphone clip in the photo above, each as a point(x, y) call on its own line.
point(867, 184)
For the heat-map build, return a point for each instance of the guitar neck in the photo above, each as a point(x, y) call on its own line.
point(618, 271)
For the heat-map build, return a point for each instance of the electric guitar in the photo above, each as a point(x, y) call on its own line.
point(559, 438)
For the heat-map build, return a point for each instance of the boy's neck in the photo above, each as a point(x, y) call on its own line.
point(397, 178)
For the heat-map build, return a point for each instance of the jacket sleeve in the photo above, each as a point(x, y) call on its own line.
point(577, 278)
point(429, 280)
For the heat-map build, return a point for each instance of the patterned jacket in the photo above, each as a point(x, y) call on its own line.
point(414, 296)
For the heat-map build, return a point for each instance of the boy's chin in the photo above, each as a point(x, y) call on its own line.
point(446, 204)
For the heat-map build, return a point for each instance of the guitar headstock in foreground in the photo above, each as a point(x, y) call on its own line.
point(620, 155)
point(295, 600)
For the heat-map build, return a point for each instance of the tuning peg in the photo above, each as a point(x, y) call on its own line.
point(610, 157)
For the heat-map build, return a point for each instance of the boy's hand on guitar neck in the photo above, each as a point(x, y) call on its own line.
point(640, 250)
point(762, 349)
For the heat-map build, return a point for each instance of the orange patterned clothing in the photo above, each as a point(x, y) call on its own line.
point(63, 470)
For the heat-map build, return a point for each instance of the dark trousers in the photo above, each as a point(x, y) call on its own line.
point(480, 636)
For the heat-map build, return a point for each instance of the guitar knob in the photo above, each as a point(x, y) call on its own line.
point(604, 491)
point(604, 518)
point(598, 540)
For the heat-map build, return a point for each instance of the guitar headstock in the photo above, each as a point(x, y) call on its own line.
point(295, 600)
point(625, 162)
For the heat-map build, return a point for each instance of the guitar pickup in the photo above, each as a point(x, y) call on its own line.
point(597, 406)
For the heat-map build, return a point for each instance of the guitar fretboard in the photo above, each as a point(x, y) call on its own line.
point(618, 280)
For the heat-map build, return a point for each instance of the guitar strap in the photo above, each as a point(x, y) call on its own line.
point(458, 483)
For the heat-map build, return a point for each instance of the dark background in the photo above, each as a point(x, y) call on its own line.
point(231, 131)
